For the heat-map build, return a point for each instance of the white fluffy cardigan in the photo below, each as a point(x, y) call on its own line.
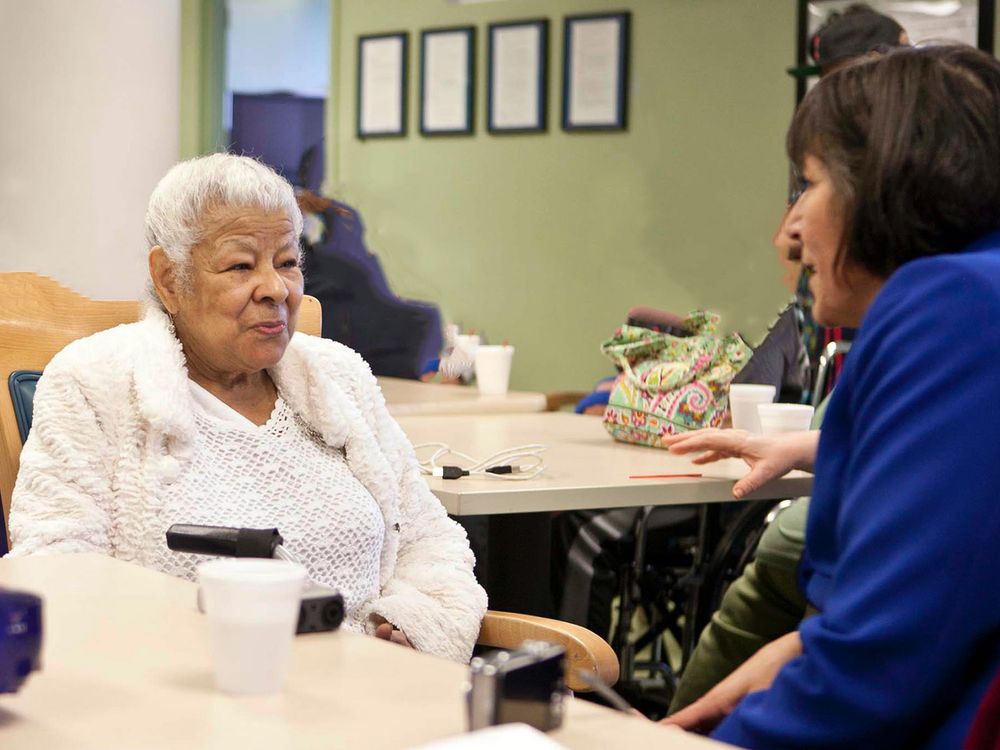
point(113, 425)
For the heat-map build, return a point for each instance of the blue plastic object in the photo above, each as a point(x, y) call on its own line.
point(20, 638)
point(594, 398)
point(22, 394)
point(598, 397)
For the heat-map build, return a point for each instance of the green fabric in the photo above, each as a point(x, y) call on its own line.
point(761, 605)
point(785, 536)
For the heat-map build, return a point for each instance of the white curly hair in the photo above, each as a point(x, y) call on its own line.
point(177, 207)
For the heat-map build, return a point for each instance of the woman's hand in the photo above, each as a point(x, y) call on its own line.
point(768, 456)
point(389, 632)
point(756, 673)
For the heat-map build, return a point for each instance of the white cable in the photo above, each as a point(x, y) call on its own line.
point(508, 457)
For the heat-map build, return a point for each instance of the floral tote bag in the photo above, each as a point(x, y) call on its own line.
point(670, 384)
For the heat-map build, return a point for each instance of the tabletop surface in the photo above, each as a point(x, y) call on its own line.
point(584, 467)
point(412, 397)
point(126, 664)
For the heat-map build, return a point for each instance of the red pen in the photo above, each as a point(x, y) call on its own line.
point(665, 476)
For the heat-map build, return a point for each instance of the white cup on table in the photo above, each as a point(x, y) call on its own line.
point(778, 418)
point(493, 365)
point(743, 401)
point(252, 607)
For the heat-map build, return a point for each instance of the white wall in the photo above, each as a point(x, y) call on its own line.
point(89, 121)
point(277, 46)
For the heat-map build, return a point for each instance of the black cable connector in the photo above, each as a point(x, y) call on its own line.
point(505, 469)
point(453, 472)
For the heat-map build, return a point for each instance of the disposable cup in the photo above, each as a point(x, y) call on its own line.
point(743, 401)
point(252, 607)
point(778, 418)
point(493, 369)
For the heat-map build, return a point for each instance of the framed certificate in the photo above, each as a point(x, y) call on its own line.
point(382, 66)
point(447, 80)
point(518, 81)
point(595, 71)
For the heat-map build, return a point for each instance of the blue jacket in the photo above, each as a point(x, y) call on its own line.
point(903, 539)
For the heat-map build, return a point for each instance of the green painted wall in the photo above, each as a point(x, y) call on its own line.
point(546, 240)
point(203, 79)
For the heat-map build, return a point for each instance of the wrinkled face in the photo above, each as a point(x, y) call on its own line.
point(842, 295)
point(238, 313)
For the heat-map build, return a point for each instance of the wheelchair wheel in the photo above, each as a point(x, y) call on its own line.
point(735, 550)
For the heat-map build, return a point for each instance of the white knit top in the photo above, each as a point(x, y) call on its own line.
point(279, 474)
point(114, 428)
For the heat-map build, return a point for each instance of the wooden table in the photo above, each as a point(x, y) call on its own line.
point(126, 664)
point(414, 398)
point(584, 467)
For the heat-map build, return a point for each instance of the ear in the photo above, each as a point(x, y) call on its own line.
point(161, 271)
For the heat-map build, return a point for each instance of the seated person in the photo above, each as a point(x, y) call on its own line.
point(846, 35)
point(397, 337)
point(211, 410)
point(765, 602)
point(900, 225)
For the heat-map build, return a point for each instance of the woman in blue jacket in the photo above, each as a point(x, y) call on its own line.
point(900, 224)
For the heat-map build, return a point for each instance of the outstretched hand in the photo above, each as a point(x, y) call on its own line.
point(768, 456)
point(756, 673)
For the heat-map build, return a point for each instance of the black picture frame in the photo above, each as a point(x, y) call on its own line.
point(803, 70)
point(468, 127)
point(618, 119)
point(399, 129)
point(541, 121)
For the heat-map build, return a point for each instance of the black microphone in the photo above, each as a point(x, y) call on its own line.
point(223, 541)
point(321, 608)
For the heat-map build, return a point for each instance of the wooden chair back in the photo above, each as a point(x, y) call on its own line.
point(38, 317)
point(585, 650)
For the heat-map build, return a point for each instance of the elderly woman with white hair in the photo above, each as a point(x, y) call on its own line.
point(212, 410)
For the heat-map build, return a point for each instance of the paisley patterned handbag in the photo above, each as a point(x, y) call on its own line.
point(670, 384)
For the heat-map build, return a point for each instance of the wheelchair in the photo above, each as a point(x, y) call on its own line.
point(677, 588)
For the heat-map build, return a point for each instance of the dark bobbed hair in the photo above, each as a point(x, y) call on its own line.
point(855, 31)
point(912, 143)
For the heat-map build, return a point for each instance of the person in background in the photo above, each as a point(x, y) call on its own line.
point(212, 410)
point(845, 36)
point(765, 602)
point(900, 226)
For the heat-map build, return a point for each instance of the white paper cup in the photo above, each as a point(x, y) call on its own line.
point(743, 400)
point(493, 369)
point(778, 418)
point(252, 607)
